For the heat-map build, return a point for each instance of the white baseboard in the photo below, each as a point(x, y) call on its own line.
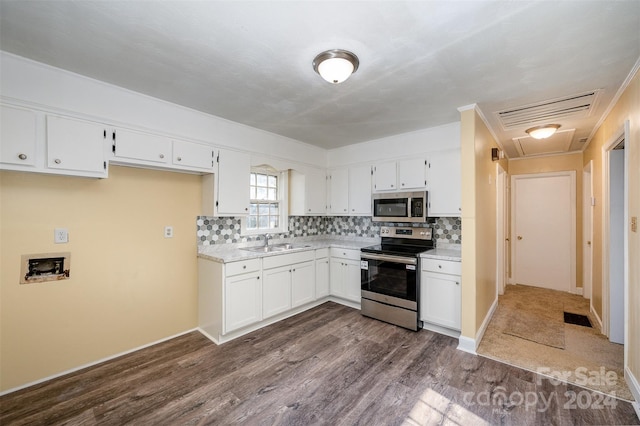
point(634, 387)
point(442, 330)
point(595, 314)
point(91, 364)
point(470, 345)
point(579, 291)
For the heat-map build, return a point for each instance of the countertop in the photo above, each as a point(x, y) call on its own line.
point(444, 252)
point(233, 252)
point(225, 253)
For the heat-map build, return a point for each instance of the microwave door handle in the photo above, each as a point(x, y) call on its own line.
point(396, 259)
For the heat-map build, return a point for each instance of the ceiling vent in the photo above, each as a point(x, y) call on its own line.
point(551, 111)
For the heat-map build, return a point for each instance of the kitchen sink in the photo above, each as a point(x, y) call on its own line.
point(273, 248)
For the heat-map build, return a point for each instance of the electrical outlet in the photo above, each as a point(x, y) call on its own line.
point(60, 235)
point(168, 231)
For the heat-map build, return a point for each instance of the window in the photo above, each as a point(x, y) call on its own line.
point(267, 206)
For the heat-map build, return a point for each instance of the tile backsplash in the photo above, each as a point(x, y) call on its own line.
point(223, 230)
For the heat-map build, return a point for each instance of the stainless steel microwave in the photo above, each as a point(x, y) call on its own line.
point(400, 207)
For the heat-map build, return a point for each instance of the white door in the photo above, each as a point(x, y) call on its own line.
point(412, 173)
point(339, 188)
point(544, 230)
point(502, 229)
point(360, 190)
point(384, 176)
point(233, 183)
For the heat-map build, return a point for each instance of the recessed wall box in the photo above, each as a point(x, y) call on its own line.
point(36, 268)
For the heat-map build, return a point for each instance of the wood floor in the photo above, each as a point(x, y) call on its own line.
point(328, 365)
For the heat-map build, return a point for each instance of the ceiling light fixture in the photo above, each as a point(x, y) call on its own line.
point(542, 132)
point(335, 65)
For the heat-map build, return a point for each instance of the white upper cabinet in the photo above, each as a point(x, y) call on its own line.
point(350, 191)
point(128, 144)
point(401, 175)
point(157, 151)
point(307, 192)
point(232, 185)
point(193, 155)
point(360, 190)
point(76, 146)
point(385, 176)
point(17, 136)
point(412, 174)
point(445, 184)
point(339, 191)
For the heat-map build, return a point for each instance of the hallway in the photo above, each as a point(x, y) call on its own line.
point(528, 330)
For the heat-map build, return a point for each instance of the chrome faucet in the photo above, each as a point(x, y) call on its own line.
point(266, 239)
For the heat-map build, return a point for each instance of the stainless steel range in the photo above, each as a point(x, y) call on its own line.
point(390, 275)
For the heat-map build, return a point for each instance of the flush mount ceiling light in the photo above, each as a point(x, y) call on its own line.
point(542, 132)
point(336, 65)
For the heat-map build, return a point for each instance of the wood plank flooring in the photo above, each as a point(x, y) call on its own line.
point(329, 365)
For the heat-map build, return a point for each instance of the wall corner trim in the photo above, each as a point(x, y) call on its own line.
point(467, 344)
point(634, 386)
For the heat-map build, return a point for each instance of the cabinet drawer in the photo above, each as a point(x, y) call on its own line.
point(442, 266)
point(345, 253)
point(287, 259)
point(242, 267)
point(320, 253)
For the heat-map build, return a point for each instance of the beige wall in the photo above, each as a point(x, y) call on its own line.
point(478, 221)
point(627, 108)
point(557, 163)
point(129, 285)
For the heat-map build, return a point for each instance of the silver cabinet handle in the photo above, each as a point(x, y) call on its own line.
point(57, 161)
point(457, 283)
point(179, 158)
point(244, 266)
point(22, 156)
point(439, 266)
point(161, 155)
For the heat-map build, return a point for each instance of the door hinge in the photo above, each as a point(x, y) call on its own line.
point(425, 162)
point(216, 204)
point(372, 171)
point(113, 144)
point(429, 165)
point(218, 158)
point(104, 165)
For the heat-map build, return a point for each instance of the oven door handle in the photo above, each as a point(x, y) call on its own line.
point(395, 259)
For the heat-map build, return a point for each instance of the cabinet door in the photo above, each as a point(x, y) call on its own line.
point(17, 136)
point(128, 144)
point(76, 145)
point(337, 281)
point(440, 299)
point(339, 189)
point(384, 176)
point(303, 283)
point(412, 173)
point(189, 154)
point(316, 192)
point(360, 190)
point(352, 280)
point(233, 183)
point(276, 291)
point(242, 301)
point(322, 278)
point(445, 184)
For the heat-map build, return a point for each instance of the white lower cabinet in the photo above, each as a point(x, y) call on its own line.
point(303, 288)
point(277, 291)
point(289, 282)
point(440, 293)
point(345, 274)
point(242, 301)
point(235, 298)
point(322, 273)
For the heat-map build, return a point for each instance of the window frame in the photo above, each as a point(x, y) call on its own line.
point(282, 201)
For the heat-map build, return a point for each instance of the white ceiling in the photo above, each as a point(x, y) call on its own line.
point(250, 62)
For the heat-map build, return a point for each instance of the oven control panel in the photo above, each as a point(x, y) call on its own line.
point(406, 232)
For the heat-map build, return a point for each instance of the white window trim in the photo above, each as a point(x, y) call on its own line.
point(283, 201)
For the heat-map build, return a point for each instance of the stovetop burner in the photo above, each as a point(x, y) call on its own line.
point(408, 242)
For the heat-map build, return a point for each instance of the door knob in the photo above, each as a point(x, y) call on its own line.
point(519, 237)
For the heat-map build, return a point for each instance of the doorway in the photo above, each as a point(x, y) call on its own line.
point(544, 230)
point(587, 232)
point(615, 271)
